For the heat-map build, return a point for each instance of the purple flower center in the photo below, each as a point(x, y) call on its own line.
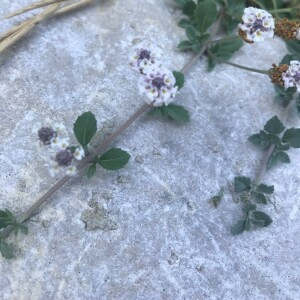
point(297, 76)
point(46, 134)
point(158, 82)
point(258, 25)
point(64, 158)
point(145, 54)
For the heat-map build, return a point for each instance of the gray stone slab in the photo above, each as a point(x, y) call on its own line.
point(168, 242)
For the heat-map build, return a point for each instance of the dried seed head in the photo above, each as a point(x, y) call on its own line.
point(276, 74)
point(288, 30)
point(64, 158)
point(46, 134)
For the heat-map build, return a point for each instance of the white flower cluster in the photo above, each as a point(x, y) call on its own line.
point(156, 82)
point(61, 155)
point(291, 77)
point(257, 24)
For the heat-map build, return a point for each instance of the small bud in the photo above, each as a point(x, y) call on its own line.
point(288, 30)
point(46, 134)
point(64, 158)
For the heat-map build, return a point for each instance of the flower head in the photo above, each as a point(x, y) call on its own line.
point(291, 78)
point(159, 86)
point(144, 58)
point(46, 135)
point(257, 25)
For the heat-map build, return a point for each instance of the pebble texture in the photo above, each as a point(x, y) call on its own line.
point(167, 241)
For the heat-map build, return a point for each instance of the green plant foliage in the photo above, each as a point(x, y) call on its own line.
point(189, 8)
point(179, 79)
point(223, 51)
point(292, 137)
point(239, 227)
point(274, 126)
point(242, 184)
point(173, 111)
point(181, 3)
point(294, 48)
point(114, 159)
point(205, 14)
point(263, 219)
point(284, 96)
point(266, 189)
point(6, 250)
point(91, 170)
point(85, 128)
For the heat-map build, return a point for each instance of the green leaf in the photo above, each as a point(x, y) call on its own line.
point(242, 184)
point(283, 147)
point(189, 8)
point(266, 189)
point(238, 228)
point(191, 33)
point(158, 112)
point(261, 216)
point(85, 127)
point(287, 59)
point(284, 96)
point(223, 51)
point(5, 250)
point(235, 7)
point(274, 126)
point(259, 223)
point(114, 159)
point(23, 228)
point(277, 157)
point(294, 48)
point(177, 112)
point(91, 170)
point(179, 79)
point(184, 23)
point(292, 137)
point(184, 45)
point(298, 106)
point(206, 14)
point(248, 207)
point(260, 198)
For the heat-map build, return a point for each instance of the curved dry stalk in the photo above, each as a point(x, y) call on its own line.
point(33, 6)
point(15, 33)
point(27, 26)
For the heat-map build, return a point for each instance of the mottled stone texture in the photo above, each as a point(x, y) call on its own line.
point(168, 242)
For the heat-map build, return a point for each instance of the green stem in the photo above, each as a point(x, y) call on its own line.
point(281, 10)
point(259, 4)
point(266, 72)
point(275, 8)
point(221, 40)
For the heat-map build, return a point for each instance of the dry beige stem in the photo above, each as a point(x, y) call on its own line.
point(32, 7)
point(72, 6)
point(27, 26)
point(12, 30)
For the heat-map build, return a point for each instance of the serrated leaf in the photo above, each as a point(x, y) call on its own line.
point(274, 126)
point(294, 48)
point(114, 159)
point(261, 216)
point(177, 113)
point(260, 198)
point(223, 51)
point(292, 137)
point(266, 189)
point(205, 14)
point(189, 8)
point(90, 172)
point(238, 228)
point(242, 184)
point(179, 79)
point(277, 157)
point(85, 127)
point(5, 250)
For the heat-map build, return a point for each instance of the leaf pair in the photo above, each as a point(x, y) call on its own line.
point(172, 111)
point(113, 159)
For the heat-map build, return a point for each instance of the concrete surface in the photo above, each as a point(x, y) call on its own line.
point(167, 241)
